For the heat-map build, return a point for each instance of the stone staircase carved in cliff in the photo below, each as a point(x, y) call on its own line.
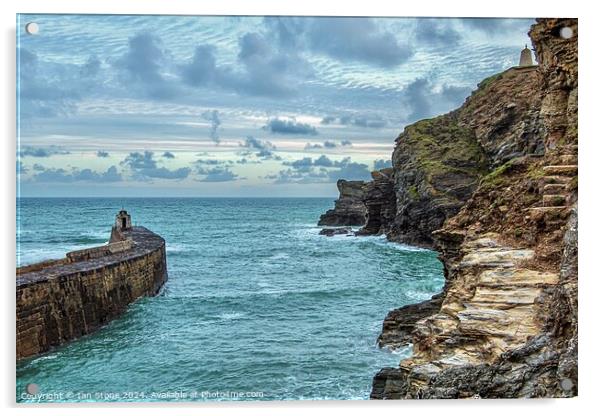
point(557, 181)
point(492, 306)
point(489, 309)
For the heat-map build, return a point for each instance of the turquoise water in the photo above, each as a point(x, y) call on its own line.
point(258, 306)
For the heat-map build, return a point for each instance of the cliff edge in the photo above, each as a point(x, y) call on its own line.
point(348, 208)
point(507, 324)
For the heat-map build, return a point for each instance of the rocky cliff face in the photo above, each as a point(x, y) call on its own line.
point(349, 209)
point(437, 163)
point(507, 325)
point(379, 200)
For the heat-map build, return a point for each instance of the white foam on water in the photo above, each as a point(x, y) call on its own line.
point(230, 316)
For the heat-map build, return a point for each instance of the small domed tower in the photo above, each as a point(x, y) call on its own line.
point(123, 220)
point(525, 57)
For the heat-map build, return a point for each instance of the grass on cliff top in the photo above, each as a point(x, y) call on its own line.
point(502, 174)
point(441, 146)
point(487, 81)
point(482, 89)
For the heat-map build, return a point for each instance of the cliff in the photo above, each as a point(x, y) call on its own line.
point(507, 324)
point(379, 200)
point(438, 162)
point(348, 208)
point(61, 300)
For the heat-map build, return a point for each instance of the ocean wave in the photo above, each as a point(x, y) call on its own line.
point(230, 316)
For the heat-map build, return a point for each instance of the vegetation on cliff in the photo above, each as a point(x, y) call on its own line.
point(507, 326)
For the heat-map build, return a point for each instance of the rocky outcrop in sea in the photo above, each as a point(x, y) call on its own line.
point(493, 187)
point(348, 208)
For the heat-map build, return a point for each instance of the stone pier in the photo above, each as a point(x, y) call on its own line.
point(61, 300)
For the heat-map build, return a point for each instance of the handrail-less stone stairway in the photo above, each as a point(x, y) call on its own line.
point(493, 304)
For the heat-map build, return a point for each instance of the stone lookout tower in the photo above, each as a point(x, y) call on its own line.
point(123, 220)
point(525, 57)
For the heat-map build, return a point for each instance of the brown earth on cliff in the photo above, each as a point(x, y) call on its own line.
point(437, 163)
point(507, 326)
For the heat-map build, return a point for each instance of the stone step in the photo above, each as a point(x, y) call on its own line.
point(507, 296)
point(517, 322)
point(495, 257)
point(566, 160)
point(516, 277)
point(554, 200)
point(557, 224)
point(554, 189)
point(572, 149)
point(563, 170)
point(548, 214)
point(547, 210)
point(555, 179)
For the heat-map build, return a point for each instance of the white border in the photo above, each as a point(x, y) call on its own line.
point(589, 149)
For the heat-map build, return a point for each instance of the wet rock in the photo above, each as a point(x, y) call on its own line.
point(399, 323)
point(329, 232)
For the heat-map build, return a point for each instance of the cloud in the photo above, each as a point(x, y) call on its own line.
point(277, 125)
point(91, 68)
point(368, 121)
point(497, 26)
point(201, 70)
point(168, 155)
point(102, 154)
point(265, 149)
point(437, 32)
point(47, 89)
point(137, 160)
point(356, 39)
point(382, 164)
point(346, 169)
point(42, 151)
point(328, 144)
point(346, 39)
point(76, 175)
point(21, 168)
point(268, 70)
point(211, 162)
point(423, 101)
point(253, 143)
point(262, 69)
point(295, 176)
point(321, 169)
point(245, 161)
point(145, 167)
point(213, 117)
point(143, 66)
point(217, 174)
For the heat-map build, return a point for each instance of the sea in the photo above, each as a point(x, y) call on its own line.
point(257, 306)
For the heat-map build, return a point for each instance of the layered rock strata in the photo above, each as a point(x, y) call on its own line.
point(437, 163)
point(379, 200)
point(507, 325)
point(61, 300)
point(349, 208)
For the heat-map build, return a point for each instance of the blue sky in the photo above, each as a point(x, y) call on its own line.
point(236, 106)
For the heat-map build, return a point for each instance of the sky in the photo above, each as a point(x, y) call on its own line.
point(228, 106)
